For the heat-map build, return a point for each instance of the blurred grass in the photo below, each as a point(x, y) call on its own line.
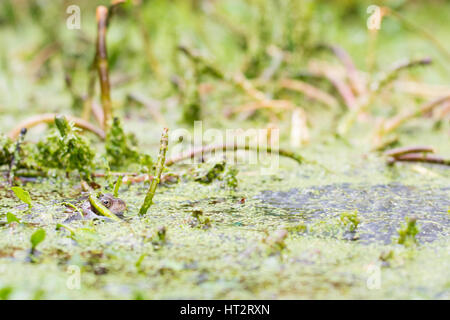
point(233, 34)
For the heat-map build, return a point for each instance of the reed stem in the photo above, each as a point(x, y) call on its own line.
point(102, 65)
point(148, 201)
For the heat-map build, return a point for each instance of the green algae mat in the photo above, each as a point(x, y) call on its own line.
point(224, 150)
point(240, 253)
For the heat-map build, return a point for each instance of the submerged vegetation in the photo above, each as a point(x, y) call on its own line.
point(308, 142)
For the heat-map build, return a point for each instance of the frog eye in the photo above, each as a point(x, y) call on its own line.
point(106, 202)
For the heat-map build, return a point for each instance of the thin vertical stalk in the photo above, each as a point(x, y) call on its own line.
point(148, 201)
point(102, 65)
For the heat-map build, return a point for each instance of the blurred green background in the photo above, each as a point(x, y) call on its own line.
point(44, 65)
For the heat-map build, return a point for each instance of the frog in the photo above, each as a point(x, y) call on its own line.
point(116, 205)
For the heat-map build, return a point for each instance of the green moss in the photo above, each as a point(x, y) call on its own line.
point(230, 178)
point(407, 234)
point(227, 259)
point(210, 173)
point(66, 149)
point(7, 148)
point(350, 220)
point(122, 151)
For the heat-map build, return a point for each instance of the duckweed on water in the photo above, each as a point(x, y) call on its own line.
point(311, 229)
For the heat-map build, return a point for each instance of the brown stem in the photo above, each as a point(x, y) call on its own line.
point(89, 100)
point(376, 87)
point(420, 157)
point(421, 89)
point(396, 152)
point(232, 146)
point(341, 86)
point(397, 121)
point(346, 59)
point(102, 65)
point(443, 111)
point(344, 90)
point(50, 118)
point(394, 72)
point(310, 91)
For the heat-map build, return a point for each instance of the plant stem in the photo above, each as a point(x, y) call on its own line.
point(341, 86)
point(397, 121)
point(50, 118)
point(396, 152)
point(310, 91)
point(87, 106)
point(389, 76)
point(231, 146)
point(346, 60)
point(117, 186)
point(102, 65)
point(394, 72)
point(148, 201)
point(420, 157)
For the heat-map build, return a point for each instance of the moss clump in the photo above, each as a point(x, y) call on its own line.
point(213, 172)
point(121, 149)
point(230, 179)
point(350, 220)
point(407, 234)
point(25, 157)
point(218, 171)
point(6, 149)
point(192, 109)
point(298, 228)
point(199, 221)
point(64, 148)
